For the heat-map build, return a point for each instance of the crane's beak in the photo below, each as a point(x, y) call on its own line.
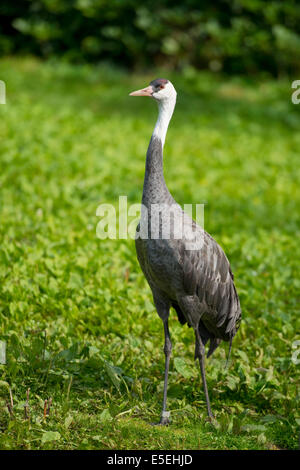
point(144, 92)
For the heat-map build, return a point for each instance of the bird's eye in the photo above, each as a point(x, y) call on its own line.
point(161, 87)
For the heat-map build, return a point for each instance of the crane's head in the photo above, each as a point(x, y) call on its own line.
point(159, 89)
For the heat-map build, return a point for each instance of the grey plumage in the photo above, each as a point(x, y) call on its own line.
point(198, 284)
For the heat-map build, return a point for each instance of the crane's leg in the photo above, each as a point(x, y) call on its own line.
point(167, 350)
point(163, 310)
point(200, 354)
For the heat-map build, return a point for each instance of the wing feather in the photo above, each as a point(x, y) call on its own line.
point(207, 274)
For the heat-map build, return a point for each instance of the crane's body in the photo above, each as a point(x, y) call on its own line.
point(196, 282)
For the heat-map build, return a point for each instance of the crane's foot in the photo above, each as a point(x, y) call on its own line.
point(164, 419)
point(162, 422)
point(213, 422)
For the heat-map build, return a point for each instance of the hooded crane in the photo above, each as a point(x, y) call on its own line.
point(196, 280)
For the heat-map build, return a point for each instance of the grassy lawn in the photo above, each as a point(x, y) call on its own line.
point(76, 312)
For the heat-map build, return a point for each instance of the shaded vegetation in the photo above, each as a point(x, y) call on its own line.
point(240, 36)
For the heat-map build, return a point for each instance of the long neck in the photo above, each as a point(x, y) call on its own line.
point(165, 111)
point(155, 189)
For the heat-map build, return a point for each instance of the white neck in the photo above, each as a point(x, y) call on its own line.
point(166, 108)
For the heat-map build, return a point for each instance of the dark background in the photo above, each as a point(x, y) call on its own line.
point(232, 36)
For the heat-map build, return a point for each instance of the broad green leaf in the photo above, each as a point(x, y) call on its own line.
point(183, 368)
point(50, 436)
point(111, 371)
point(105, 416)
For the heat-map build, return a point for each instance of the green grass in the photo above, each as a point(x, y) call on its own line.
point(76, 311)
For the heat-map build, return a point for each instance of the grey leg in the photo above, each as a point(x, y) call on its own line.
point(200, 354)
point(167, 350)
